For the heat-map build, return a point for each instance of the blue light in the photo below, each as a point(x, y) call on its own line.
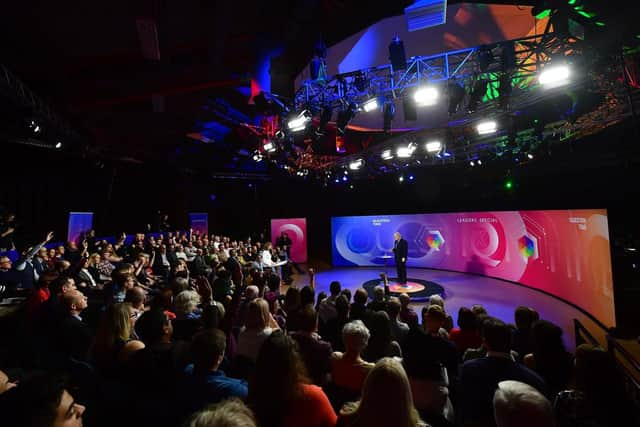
point(344, 178)
point(410, 177)
point(337, 181)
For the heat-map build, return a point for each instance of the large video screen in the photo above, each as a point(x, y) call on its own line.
point(563, 252)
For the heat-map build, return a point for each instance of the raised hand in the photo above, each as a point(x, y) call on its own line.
point(49, 236)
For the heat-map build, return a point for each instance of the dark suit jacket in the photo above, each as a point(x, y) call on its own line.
point(400, 250)
point(479, 379)
point(74, 338)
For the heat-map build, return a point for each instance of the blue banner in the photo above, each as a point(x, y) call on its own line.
point(79, 223)
point(199, 223)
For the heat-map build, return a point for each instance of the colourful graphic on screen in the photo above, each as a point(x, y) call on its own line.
point(296, 230)
point(565, 252)
point(435, 240)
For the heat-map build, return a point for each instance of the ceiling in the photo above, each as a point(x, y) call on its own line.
point(86, 61)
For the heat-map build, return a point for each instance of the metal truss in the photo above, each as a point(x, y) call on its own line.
point(519, 59)
point(23, 96)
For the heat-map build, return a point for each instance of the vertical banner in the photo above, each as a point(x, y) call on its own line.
point(79, 223)
point(199, 223)
point(296, 230)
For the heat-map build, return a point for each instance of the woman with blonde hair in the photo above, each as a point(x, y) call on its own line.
point(115, 343)
point(258, 325)
point(386, 400)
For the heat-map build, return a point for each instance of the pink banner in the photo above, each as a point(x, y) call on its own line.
point(295, 229)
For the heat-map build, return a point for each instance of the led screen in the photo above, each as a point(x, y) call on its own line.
point(563, 252)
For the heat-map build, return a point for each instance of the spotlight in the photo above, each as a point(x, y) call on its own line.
point(58, 145)
point(554, 76)
point(433, 146)
point(405, 152)
point(355, 165)
point(486, 127)
point(388, 115)
point(300, 121)
point(325, 117)
point(401, 178)
point(426, 96)
point(386, 155)
point(257, 156)
point(479, 162)
point(370, 105)
point(344, 116)
point(269, 147)
point(479, 89)
point(456, 95)
point(410, 177)
point(472, 163)
point(34, 126)
point(345, 178)
point(530, 156)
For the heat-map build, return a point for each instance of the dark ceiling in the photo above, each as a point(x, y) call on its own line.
point(85, 60)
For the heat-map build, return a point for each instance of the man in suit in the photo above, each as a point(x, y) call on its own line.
point(74, 334)
point(479, 378)
point(400, 251)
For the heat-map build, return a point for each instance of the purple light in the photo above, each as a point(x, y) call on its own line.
point(410, 177)
point(344, 178)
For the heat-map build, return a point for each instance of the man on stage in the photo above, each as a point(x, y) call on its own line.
point(400, 251)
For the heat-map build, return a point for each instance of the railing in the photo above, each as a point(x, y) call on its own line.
point(627, 363)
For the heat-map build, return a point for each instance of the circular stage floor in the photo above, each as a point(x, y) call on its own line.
point(418, 289)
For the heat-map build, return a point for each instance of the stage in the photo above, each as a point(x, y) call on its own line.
point(499, 297)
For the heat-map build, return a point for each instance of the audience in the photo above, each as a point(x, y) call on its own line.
point(147, 340)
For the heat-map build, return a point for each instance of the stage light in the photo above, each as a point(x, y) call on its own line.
point(401, 178)
point(370, 105)
point(355, 165)
point(299, 122)
point(35, 127)
point(58, 145)
point(344, 116)
point(433, 146)
point(479, 162)
point(325, 117)
point(426, 96)
point(478, 92)
point(554, 76)
point(472, 163)
point(486, 127)
point(386, 155)
point(388, 115)
point(530, 156)
point(269, 147)
point(345, 178)
point(405, 152)
point(508, 184)
point(456, 95)
point(411, 177)
point(257, 156)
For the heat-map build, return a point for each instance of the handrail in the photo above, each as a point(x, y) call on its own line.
point(580, 328)
point(614, 345)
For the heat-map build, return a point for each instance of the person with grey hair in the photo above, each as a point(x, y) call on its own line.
point(516, 404)
point(229, 413)
point(379, 303)
point(436, 299)
point(186, 304)
point(348, 369)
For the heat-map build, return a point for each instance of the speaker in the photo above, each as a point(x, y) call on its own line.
point(397, 55)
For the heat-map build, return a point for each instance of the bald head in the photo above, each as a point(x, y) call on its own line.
point(74, 301)
point(136, 296)
point(252, 292)
point(517, 404)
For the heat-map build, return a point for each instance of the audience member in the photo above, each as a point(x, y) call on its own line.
point(381, 343)
point(436, 299)
point(399, 330)
point(407, 314)
point(328, 306)
point(522, 341)
point(359, 310)
point(280, 393)
point(387, 378)
point(258, 326)
point(74, 335)
point(349, 369)
point(549, 358)
point(229, 413)
point(314, 352)
point(517, 404)
point(332, 331)
point(466, 335)
point(378, 303)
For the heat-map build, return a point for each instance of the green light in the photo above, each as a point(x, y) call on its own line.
point(545, 13)
point(600, 24)
point(572, 1)
point(508, 184)
point(586, 14)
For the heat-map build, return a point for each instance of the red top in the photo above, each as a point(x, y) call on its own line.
point(35, 301)
point(313, 409)
point(465, 339)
